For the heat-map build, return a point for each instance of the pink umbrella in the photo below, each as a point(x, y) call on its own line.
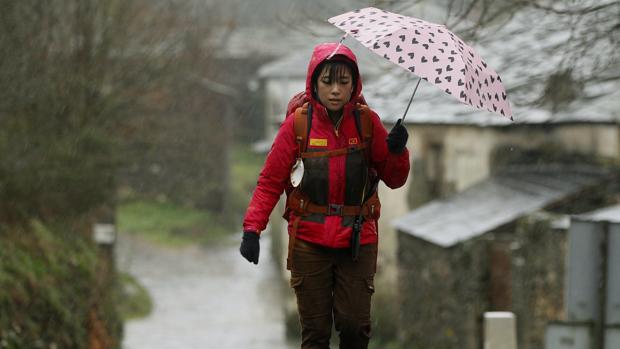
point(430, 51)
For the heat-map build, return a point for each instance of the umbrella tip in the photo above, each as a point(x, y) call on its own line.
point(337, 47)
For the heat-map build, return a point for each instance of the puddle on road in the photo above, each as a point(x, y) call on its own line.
point(204, 297)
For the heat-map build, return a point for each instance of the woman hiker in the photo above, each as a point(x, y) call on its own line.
point(332, 214)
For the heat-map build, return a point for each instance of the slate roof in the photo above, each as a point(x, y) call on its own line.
point(496, 201)
point(296, 63)
point(609, 214)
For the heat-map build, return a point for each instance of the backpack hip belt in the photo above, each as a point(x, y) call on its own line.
point(302, 206)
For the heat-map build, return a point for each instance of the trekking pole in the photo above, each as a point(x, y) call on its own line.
point(357, 226)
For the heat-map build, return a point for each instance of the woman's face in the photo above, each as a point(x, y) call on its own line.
point(334, 87)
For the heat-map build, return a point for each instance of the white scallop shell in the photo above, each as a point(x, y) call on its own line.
point(297, 172)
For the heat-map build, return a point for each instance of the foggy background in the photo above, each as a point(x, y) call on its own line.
point(132, 133)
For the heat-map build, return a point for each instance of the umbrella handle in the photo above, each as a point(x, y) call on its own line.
point(411, 99)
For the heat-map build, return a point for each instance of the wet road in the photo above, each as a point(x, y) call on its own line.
point(204, 297)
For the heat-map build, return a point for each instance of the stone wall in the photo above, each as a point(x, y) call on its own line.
point(444, 292)
point(441, 294)
point(538, 275)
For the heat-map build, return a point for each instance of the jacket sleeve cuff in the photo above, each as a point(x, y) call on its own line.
point(254, 230)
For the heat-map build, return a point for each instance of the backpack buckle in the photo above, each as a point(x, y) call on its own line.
point(334, 210)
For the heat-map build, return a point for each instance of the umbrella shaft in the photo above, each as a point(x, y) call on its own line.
point(411, 99)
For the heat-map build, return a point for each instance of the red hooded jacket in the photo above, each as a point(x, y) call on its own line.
point(392, 169)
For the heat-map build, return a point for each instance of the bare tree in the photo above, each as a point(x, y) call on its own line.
point(56, 105)
point(184, 156)
point(590, 54)
point(82, 77)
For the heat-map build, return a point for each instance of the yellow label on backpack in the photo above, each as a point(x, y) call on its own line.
point(318, 142)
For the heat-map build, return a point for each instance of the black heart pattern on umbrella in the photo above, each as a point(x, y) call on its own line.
point(431, 52)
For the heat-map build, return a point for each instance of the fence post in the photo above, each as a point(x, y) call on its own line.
point(500, 330)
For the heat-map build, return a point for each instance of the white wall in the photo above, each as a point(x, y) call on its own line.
point(467, 150)
point(393, 204)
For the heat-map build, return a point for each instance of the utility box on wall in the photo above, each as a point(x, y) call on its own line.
point(613, 276)
point(612, 337)
point(583, 271)
point(564, 335)
point(593, 284)
point(612, 331)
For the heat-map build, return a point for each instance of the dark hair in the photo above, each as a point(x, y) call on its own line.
point(336, 66)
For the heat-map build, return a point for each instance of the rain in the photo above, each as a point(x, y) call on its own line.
point(133, 135)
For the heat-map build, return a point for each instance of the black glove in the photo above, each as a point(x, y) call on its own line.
point(397, 139)
point(250, 247)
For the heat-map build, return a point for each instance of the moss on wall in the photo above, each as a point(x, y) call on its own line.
point(55, 291)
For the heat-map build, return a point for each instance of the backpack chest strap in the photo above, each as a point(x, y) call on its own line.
point(335, 152)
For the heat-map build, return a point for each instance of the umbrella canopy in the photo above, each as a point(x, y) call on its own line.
point(430, 51)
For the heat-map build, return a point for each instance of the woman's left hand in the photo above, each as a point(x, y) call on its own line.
point(397, 138)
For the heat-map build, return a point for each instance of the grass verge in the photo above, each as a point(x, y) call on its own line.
point(171, 224)
point(245, 168)
point(135, 301)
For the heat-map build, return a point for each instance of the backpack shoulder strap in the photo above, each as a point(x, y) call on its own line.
point(302, 125)
point(363, 122)
point(364, 125)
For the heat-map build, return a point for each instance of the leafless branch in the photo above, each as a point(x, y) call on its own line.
point(579, 11)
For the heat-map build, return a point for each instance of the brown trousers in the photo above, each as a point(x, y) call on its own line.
point(330, 285)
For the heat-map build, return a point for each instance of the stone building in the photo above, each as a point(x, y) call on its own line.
point(454, 146)
point(492, 247)
point(471, 239)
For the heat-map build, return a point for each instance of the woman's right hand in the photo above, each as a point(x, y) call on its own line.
point(250, 246)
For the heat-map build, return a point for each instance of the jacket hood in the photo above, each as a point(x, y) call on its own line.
point(320, 54)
